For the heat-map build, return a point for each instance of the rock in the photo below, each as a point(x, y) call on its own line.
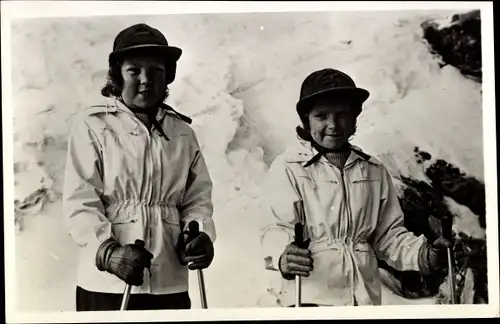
point(467, 296)
point(425, 156)
point(32, 191)
point(452, 195)
point(33, 203)
point(464, 220)
point(465, 190)
point(458, 43)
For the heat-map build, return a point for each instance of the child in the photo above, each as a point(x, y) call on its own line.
point(352, 213)
point(135, 171)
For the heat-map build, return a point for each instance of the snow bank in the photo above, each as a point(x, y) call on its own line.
point(239, 78)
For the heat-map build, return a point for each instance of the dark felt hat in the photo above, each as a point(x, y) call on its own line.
point(142, 36)
point(331, 82)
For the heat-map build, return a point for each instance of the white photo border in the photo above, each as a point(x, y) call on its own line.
point(33, 9)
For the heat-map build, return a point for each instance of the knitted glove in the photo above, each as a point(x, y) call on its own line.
point(295, 261)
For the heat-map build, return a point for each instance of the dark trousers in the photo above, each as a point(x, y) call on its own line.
point(96, 301)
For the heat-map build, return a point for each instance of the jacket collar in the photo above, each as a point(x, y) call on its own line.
point(120, 106)
point(160, 114)
point(117, 106)
point(305, 151)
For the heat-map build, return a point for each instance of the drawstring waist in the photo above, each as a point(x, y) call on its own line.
point(134, 203)
point(131, 211)
point(339, 243)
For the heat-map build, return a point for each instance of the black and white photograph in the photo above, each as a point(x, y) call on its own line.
point(236, 160)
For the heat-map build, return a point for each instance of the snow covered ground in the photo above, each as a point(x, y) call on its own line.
point(239, 79)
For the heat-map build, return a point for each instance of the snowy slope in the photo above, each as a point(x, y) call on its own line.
point(239, 78)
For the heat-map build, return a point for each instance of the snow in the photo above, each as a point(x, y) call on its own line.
point(239, 78)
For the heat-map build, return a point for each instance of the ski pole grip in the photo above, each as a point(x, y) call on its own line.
point(194, 229)
point(446, 225)
point(299, 234)
point(140, 243)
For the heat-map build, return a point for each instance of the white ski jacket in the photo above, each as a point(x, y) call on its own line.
point(124, 182)
point(352, 216)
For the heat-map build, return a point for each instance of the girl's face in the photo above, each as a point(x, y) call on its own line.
point(332, 122)
point(144, 81)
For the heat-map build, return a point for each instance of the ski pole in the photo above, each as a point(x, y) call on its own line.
point(446, 224)
point(128, 288)
point(193, 232)
point(298, 207)
point(299, 239)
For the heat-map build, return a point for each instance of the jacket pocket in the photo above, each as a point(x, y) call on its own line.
point(367, 263)
point(170, 221)
point(364, 190)
point(329, 274)
point(328, 178)
point(127, 228)
point(364, 175)
point(365, 180)
point(363, 248)
point(304, 179)
point(125, 221)
point(120, 215)
point(171, 216)
point(365, 251)
point(315, 179)
point(171, 229)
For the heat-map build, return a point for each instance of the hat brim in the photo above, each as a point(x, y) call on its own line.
point(170, 52)
point(358, 95)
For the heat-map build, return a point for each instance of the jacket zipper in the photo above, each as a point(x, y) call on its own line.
point(149, 134)
point(151, 143)
point(348, 216)
point(346, 202)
